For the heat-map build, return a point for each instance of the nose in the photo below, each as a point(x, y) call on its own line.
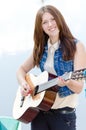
point(49, 23)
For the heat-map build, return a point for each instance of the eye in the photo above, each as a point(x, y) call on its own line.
point(52, 19)
point(44, 22)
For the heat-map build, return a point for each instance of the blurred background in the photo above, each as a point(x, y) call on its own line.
point(16, 42)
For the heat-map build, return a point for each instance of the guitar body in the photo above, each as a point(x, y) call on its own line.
point(43, 98)
point(33, 103)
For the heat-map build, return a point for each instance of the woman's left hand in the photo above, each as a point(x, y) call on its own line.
point(62, 82)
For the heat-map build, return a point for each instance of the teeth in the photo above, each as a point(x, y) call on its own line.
point(52, 29)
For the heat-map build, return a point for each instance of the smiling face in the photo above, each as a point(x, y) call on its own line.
point(49, 26)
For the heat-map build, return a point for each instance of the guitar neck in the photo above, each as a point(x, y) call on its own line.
point(45, 86)
point(51, 83)
point(78, 74)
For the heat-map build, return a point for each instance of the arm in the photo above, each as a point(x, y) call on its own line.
point(79, 63)
point(21, 73)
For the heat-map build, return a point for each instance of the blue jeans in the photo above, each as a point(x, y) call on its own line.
point(54, 121)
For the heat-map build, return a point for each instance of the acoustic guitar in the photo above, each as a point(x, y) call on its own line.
point(43, 95)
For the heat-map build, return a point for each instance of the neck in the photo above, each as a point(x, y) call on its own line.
point(54, 40)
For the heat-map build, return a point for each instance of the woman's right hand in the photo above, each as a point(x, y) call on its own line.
point(25, 89)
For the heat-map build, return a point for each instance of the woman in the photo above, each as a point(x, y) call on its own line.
point(57, 51)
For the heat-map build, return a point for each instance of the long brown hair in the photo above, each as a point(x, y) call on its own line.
point(40, 37)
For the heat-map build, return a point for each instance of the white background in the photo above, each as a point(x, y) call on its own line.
point(16, 41)
point(17, 21)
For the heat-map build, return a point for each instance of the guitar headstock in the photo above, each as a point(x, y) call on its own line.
point(78, 74)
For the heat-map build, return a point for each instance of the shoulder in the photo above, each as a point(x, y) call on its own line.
point(79, 60)
point(80, 46)
point(80, 51)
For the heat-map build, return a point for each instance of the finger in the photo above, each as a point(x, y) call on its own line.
point(61, 79)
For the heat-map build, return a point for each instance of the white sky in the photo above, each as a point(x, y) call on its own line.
point(17, 21)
